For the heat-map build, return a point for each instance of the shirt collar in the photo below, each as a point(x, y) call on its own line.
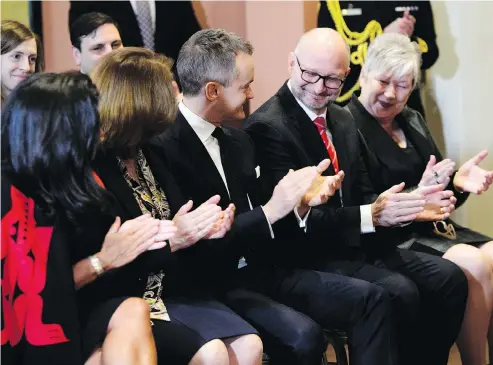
point(309, 112)
point(201, 127)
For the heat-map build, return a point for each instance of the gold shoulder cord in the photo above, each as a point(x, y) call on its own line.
point(360, 40)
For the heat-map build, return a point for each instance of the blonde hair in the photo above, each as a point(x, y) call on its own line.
point(137, 98)
point(394, 53)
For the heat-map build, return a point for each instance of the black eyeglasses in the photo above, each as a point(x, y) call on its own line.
point(330, 82)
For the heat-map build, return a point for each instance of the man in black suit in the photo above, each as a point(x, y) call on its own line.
point(162, 26)
point(205, 156)
point(299, 126)
point(93, 35)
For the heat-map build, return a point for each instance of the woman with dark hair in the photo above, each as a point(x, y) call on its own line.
point(50, 132)
point(22, 54)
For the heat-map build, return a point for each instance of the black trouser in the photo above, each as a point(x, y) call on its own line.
point(333, 301)
point(429, 297)
point(289, 337)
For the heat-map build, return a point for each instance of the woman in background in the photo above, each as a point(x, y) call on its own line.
point(21, 55)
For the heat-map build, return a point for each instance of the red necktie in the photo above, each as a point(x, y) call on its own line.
point(322, 129)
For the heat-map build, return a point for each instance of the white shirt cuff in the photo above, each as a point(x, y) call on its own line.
point(366, 219)
point(302, 221)
point(270, 227)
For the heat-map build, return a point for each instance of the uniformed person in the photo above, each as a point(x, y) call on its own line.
point(359, 22)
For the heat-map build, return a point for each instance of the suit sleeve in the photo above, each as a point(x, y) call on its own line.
point(249, 228)
point(148, 261)
point(275, 162)
point(425, 29)
point(363, 190)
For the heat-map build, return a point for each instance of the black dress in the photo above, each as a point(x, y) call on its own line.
point(39, 312)
point(182, 322)
point(388, 164)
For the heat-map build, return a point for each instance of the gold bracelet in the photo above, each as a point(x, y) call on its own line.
point(96, 265)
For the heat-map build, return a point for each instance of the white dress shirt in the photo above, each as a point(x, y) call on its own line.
point(152, 7)
point(365, 210)
point(204, 130)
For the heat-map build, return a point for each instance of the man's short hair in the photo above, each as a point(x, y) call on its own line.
point(209, 55)
point(87, 24)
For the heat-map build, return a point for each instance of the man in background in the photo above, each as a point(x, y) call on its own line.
point(93, 35)
point(162, 26)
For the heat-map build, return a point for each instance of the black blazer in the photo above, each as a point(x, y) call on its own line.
point(129, 280)
point(199, 179)
point(286, 138)
point(37, 247)
point(385, 160)
point(175, 22)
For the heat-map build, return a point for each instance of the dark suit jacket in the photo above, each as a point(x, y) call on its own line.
point(129, 280)
point(199, 179)
point(175, 22)
point(36, 260)
point(385, 161)
point(286, 138)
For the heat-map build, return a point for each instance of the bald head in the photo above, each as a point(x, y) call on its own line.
point(318, 67)
point(322, 41)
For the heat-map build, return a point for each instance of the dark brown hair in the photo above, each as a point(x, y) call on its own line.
point(15, 33)
point(137, 98)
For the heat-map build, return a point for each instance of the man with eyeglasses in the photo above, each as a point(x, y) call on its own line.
point(301, 125)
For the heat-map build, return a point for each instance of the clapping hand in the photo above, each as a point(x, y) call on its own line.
point(223, 224)
point(323, 187)
point(437, 173)
point(471, 178)
point(123, 243)
point(404, 25)
point(193, 225)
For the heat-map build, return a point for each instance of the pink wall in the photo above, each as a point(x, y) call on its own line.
point(229, 15)
point(57, 47)
point(273, 27)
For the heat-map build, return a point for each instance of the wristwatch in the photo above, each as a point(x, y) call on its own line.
point(97, 265)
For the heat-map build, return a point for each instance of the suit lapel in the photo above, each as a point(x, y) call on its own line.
point(230, 151)
point(191, 145)
point(338, 136)
point(106, 166)
point(421, 142)
point(301, 125)
point(388, 152)
point(341, 145)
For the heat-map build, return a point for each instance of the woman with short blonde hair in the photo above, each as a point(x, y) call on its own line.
point(397, 146)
